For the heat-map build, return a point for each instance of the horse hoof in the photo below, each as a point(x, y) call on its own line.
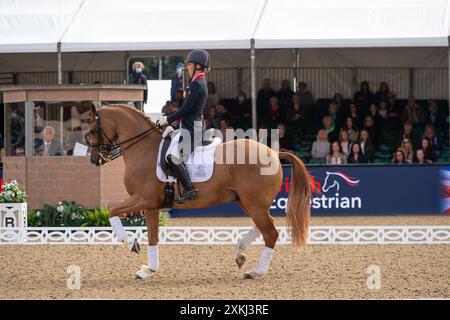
point(241, 260)
point(250, 275)
point(134, 246)
point(143, 274)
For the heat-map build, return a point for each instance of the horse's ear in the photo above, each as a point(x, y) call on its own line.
point(93, 110)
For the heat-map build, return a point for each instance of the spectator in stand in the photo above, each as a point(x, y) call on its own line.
point(435, 141)
point(335, 155)
point(430, 154)
point(407, 133)
point(244, 109)
point(366, 145)
point(382, 112)
point(137, 76)
point(435, 115)
point(382, 93)
point(263, 99)
point(344, 142)
point(369, 125)
point(274, 115)
point(321, 146)
point(413, 113)
point(379, 120)
point(333, 113)
point(284, 95)
point(222, 112)
point(356, 155)
point(394, 110)
point(306, 97)
point(399, 156)
point(214, 119)
point(355, 115)
point(50, 146)
point(285, 143)
point(224, 124)
point(420, 157)
point(213, 98)
point(343, 108)
point(351, 129)
point(264, 136)
point(298, 113)
point(408, 150)
point(177, 82)
point(363, 98)
point(328, 125)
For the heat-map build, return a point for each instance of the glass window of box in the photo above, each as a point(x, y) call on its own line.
point(14, 141)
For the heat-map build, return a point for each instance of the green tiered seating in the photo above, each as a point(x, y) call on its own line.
point(317, 161)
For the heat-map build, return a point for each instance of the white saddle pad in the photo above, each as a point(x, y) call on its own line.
point(200, 164)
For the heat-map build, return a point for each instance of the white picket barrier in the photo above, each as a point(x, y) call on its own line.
point(342, 235)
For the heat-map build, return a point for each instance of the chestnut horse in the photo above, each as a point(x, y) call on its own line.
point(139, 139)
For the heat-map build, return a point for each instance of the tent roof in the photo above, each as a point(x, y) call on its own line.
point(353, 23)
point(34, 26)
point(119, 25)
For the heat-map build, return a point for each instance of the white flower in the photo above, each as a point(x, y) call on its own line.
point(60, 209)
point(60, 203)
point(38, 213)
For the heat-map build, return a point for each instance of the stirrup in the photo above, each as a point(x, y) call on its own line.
point(187, 195)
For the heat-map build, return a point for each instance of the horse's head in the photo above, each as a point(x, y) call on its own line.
point(101, 136)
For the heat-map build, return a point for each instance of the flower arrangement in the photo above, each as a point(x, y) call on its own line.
point(12, 192)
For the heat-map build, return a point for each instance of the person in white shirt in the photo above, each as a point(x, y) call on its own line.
point(50, 146)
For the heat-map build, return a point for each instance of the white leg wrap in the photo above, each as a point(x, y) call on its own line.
point(264, 261)
point(246, 240)
point(117, 226)
point(153, 258)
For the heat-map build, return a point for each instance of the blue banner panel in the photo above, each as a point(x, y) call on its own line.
point(356, 190)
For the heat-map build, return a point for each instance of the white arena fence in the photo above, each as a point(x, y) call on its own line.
point(326, 235)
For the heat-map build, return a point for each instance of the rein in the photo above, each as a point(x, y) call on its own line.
point(105, 149)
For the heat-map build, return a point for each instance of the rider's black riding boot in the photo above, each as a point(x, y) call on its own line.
point(189, 193)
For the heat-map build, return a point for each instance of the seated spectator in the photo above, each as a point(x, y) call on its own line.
point(429, 153)
point(345, 143)
point(435, 115)
point(429, 133)
point(263, 99)
point(382, 111)
point(49, 146)
point(363, 98)
point(351, 129)
point(213, 98)
point(413, 113)
point(342, 107)
point(382, 93)
point(306, 97)
point(420, 157)
point(333, 113)
point(369, 125)
point(137, 76)
point(399, 156)
point(273, 115)
point(394, 110)
point(328, 125)
point(356, 155)
point(285, 142)
point(214, 119)
point(224, 124)
point(243, 109)
point(407, 133)
point(298, 113)
point(355, 115)
point(321, 146)
point(366, 145)
point(222, 112)
point(335, 155)
point(408, 150)
point(284, 95)
point(374, 112)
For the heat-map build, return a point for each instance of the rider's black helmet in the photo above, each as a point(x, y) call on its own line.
point(198, 56)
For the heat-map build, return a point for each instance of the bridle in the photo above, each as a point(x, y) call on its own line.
point(105, 149)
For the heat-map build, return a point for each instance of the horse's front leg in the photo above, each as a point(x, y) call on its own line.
point(152, 217)
point(131, 204)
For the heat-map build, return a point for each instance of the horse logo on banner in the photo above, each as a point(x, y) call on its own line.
point(332, 180)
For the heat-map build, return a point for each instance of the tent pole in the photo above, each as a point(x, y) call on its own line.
point(59, 64)
point(253, 83)
point(295, 66)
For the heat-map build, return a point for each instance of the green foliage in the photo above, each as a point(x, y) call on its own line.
point(13, 193)
point(71, 214)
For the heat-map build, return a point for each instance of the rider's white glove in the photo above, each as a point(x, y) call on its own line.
point(162, 120)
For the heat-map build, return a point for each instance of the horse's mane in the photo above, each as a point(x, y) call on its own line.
point(139, 113)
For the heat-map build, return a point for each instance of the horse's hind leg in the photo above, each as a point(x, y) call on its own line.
point(265, 225)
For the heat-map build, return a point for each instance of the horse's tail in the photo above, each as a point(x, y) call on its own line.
point(299, 201)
